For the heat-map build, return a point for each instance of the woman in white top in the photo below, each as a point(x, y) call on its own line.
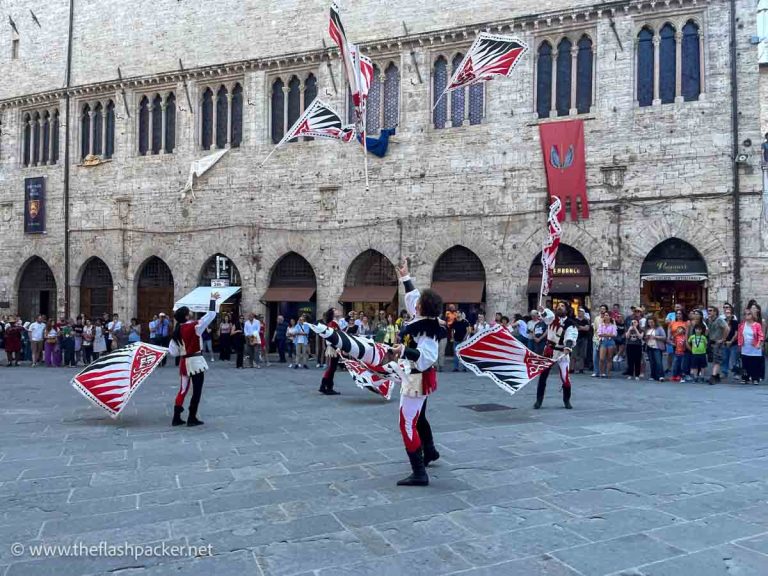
point(99, 344)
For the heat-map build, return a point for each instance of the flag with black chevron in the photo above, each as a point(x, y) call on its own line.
point(489, 56)
point(319, 121)
point(110, 381)
point(498, 355)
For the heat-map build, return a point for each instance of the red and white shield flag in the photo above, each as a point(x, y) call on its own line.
point(551, 244)
point(110, 381)
point(319, 121)
point(489, 56)
point(498, 355)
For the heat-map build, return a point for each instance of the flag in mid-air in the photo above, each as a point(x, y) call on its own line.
point(498, 355)
point(319, 121)
point(489, 56)
point(552, 243)
point(110, 381)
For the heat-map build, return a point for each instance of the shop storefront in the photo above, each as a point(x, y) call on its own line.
point(673, 273)
point(370, 285)
point(459, 278)
point(291, 293)
point(571, 284)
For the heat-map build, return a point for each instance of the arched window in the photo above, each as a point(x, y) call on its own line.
point(170, 123)
point(37, 289)
point(46, 136)
point(236, 130)
point(439, 82)
point(157, 124)
point(109, 145)
point(36, 138)
point(294, 102)
point(278, 105)
point(98, 127)
point(55, 137)
point(310, 93)
point(96, 289)
point(457, 96)
point(207, 119)
point(27, 141)
point(544, 80)
point(691, 64)
point(222, 109)
point(563, 88)
point(373, 106)
point(143, 126)
point(645, 67)
point(667, 64)
point(476, 107)
point(584, 75)
point(391, 96)
point(85, 131)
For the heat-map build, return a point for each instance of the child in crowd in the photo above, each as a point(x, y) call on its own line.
point(679, 345)
point(697, 344)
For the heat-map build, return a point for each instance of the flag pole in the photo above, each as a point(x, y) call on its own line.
point(440, 98)
point(268, 156)
point(365, 162)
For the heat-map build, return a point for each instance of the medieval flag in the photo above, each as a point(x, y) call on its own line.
point(110, 381)
point(367, 377)
point(562, 144)
point(498, 355)
point(551, 244)
point(490, 56)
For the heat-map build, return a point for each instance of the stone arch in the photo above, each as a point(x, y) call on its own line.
point(459, 277)
point(208, 271)
point(370, 283)
point(154, 282)
point(36, 289)
point(96, 288)
point(572, 282)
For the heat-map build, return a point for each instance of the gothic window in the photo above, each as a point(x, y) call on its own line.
point(236, 130)
point(691, 64)
point(439, 82)
point(278, 104)
point(27, 140)
point(98, 127)
point(222, 108)
point(373, 105)
point(391, 96)
point(544, 80)
point(584, 61)
point(36, 139)
point(289, 102)
point(457, 96)
point(144, 126)
point(46, 136)
point(170, 123)
point(563, 78)
point(667, 64)
point(476, 98)
point(645, 67)
point(157, 124)
point(85, 131)
point(55, 138)
point(206, 129)
point(678, 75)
point(565, 73)
point(109, 144)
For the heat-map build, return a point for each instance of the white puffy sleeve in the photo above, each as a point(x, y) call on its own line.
point(548, 316)
point(412, 295)
point(425, 353)
point(571, 335)
point(206, 320)
point(173, 348)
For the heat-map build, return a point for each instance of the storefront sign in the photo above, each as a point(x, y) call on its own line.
point(565, 270)
point(220, 283)
point(669, 266)
point(34, 205)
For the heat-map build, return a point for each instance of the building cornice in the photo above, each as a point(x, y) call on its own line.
point(533, 23)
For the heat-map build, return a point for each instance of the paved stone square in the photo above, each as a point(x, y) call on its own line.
point(640, 478)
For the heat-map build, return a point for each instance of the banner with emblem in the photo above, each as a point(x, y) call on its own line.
point(34, 205)
point(562, 144)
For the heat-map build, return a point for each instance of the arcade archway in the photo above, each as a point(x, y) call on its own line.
point(571, 283)
point(96, 289)
point(37, 290)
point(370, 285)
point(674, 272)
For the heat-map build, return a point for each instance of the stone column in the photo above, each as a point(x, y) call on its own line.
point(285, 108)
point(302, 104)
point(702, 71)
point(150, 130)
point(92, 127)
point(678, 66)
point(228, 118)
point(215, 119)
point(51, 128)
point(163, 104)
point(553, 107)
point(574, 61)
point(104, 115)
point(656, 70)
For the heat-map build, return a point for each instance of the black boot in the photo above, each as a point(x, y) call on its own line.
point(197, 391)
point(323, 386)
point(567, 398)
point(177, 421)
point(193, 421)
point(419, 475)
point(541, 388)
point(430, 454)
point(425, 434)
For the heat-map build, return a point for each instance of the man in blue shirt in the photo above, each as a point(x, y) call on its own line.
point(301, 341)
point(163, 334)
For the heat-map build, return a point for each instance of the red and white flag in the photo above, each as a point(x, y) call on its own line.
point(319, 121)
point(498, 355)
point(489, 56)
point(110, 381)
point(552, 243)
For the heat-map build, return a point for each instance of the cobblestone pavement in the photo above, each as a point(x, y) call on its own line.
point(640, 478)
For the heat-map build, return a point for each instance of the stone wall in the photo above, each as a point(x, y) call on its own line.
point(482, 187)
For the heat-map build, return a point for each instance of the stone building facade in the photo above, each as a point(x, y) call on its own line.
point(654, 173)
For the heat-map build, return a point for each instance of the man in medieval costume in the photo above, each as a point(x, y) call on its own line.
point(186, 344)
point(561, 339)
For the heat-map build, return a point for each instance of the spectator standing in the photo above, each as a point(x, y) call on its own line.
point(153, 330)
point(207, 338)
point(51, 343)
point(13, 333)
point(596, 323)
point(634, 349)
point(521, 328)
point(238, 341)
point(750, 339)
point(78, 330)
point(290, 334)
point(99, 340)
point(301, 340)
point(607, 336)
point(539, 336)
point(679, 343)
point(116, 332)
point(672, 331)
point(697, 345)
point(88, 335)
point(36, 333)
point(67, 339)
point(163, 333)
point(263, 348)
point(390, 331)
point(134, 331)
point(618, 320)
point(655, 342)
point(581, 351)
point(280, 337)
point(460, 333)
point(718, 334)
point(225, 338)
point(252, 340)
point(481, 324)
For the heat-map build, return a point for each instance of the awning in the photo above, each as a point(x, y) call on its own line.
point(288, 294)
point(199, 299)
point(561, 285)
point(673, 277)
point(368, 294)
point(468, 292)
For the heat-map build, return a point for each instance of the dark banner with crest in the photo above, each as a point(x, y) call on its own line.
point(34, 205)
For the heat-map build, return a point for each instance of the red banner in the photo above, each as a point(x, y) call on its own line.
point(562, 144)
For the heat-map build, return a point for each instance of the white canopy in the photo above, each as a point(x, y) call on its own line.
point(199, 299)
